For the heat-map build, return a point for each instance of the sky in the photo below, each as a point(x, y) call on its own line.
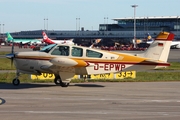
point(28, 15)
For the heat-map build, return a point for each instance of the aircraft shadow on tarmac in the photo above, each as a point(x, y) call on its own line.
point(87, 85)
point(38, 85)
point(23, 86)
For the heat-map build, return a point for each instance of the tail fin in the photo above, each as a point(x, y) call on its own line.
point(159, 49)
point(46, 39)
point(95, 42)
point(9, 37)
point(149, 39)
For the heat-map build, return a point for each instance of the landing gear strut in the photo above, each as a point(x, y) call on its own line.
point(58, 81)
point(16, 81)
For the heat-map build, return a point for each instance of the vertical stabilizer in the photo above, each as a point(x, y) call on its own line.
point(9, 37)
point(46, 39)
point(149, 39)
point(159, 49)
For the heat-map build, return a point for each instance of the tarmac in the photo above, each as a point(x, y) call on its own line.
point(91, 101)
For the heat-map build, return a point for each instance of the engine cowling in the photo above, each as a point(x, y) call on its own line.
point(68, 62)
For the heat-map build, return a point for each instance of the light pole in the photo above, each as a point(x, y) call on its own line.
point(45, 20)
point(44, 23)
point(3, 30)
point(77, 26)
point(0, 30)
point(105, 24)
point(134, 6)
point(47, 24)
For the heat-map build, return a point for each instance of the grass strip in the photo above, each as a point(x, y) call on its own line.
point(140, 77)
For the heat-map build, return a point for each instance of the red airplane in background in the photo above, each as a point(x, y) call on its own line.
point(47, 40)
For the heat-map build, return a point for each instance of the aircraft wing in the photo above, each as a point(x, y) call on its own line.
point(68, 62)
point(71, 65)
point(175, 44)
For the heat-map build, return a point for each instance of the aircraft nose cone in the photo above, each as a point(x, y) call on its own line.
point(9, 56)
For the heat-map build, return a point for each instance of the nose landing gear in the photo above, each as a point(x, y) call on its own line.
point(16, 81)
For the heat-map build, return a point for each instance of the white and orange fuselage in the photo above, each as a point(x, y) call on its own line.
point(85, 61)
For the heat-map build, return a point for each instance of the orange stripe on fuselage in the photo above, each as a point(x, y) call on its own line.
point(83, 62)
point(130, 63)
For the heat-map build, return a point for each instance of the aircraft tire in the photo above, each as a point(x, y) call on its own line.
point(63, 84)
point(57, 80)
point(16, 82)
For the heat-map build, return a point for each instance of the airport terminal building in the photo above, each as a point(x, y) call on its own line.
point(121, 30)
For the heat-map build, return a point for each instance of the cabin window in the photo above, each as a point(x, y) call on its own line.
point(77, 52)
point(91, 53)
point(61, 50)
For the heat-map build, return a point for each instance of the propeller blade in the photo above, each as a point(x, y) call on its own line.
point(12, 52)
point(12, 49)
point(11, 61)
point(11, 55)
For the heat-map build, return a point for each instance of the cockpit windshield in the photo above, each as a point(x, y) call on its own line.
point(48, 48)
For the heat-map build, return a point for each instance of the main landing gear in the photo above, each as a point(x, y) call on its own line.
point(58, 81)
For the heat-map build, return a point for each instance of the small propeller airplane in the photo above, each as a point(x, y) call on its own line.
point(65, 61)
